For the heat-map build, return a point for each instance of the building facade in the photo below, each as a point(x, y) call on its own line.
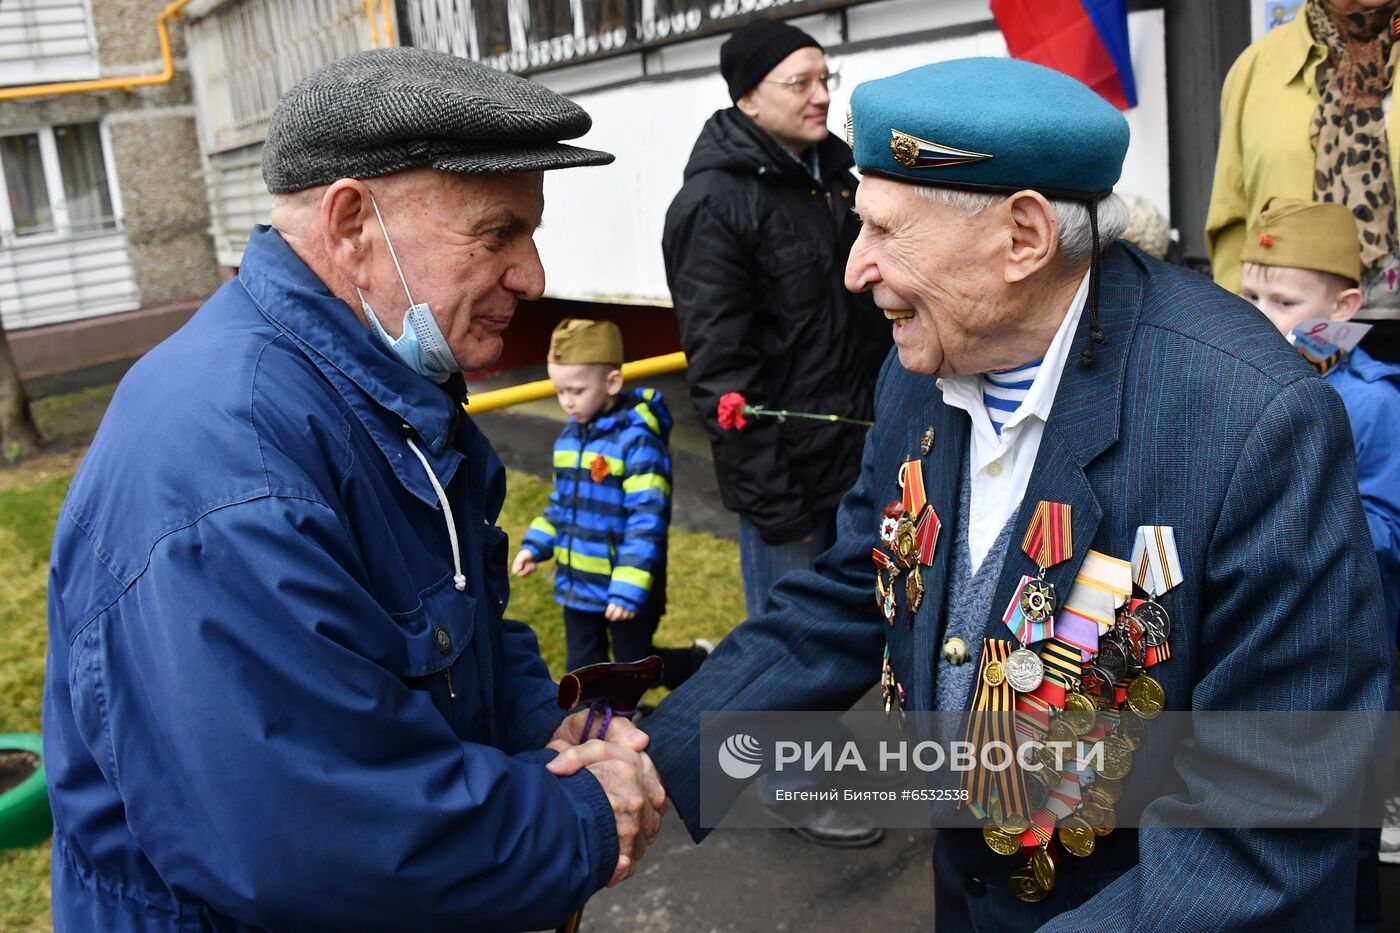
point(647, 71)
point(104, 222)
point(130, 200)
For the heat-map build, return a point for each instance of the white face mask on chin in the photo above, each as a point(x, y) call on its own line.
point(421, 347)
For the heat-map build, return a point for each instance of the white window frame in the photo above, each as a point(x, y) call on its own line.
point(53, 180)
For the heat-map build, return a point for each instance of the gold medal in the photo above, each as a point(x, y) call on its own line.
point(1079, 713)
point(1000, 842)
point(1146, 697)
point(1060, 731)
point(1096, 795)
point(994, 673)
point(1076, 836)
point(1049, 777)
point(1102, 819)
point(1044, 869)
point(906, 545)
point(913, 591)
point(1117, 758)
point(1013, 823)
point(1026, 886)
point(1047, 757)
point(884, 594)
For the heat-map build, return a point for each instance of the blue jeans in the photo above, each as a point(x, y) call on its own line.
point(764, 564)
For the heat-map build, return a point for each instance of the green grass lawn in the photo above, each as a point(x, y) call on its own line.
point(705, 596)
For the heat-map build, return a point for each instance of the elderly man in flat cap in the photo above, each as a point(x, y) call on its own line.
point(281, 693)
point(1095, 482)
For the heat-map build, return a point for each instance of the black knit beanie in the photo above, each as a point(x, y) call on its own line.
point(756, 48)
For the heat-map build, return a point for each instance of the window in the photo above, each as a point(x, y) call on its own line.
point(55, 181)
point(24, 178)
point(84, 176)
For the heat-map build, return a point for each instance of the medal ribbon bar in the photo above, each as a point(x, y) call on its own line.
point(1049, 539)
point(993, 720)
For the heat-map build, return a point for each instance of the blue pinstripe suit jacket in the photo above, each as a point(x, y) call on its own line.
point(1197, 415)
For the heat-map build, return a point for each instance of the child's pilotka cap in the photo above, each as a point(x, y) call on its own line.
point(576, 340)
point(1320, 236)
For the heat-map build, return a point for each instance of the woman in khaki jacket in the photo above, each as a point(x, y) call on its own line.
point(1306, 113)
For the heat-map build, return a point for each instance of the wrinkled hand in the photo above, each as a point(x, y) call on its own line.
point(524, 564)
point(634, 790)
point(616, 613)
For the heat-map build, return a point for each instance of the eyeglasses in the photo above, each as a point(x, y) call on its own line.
point(802, 85)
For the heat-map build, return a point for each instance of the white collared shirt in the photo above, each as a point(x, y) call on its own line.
point(1000, 465)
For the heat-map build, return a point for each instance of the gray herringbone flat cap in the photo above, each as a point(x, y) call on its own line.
point(382, 111)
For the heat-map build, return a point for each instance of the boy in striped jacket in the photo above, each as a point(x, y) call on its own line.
point(610, 510)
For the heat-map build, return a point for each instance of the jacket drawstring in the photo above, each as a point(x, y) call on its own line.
point(457, 578)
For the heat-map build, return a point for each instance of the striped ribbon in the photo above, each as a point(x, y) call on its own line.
point(992, 719)
point(911, 479)
point(1320, 354)
point(1026, 632)
point(1108, 573)
point(1102, 585)
point(1156, 566)
point(1062, 801)
point(1049, 539)
point(1032, 716)
point(1062, 667)
point(926, 533)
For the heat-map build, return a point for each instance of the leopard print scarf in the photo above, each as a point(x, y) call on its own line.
point(1349, 128)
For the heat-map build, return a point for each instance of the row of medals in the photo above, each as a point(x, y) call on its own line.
point(1122, 657)
point(905, 545)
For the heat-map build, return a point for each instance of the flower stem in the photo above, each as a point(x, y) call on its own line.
point(781, 415)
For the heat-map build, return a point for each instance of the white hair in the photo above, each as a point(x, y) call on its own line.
point(1072, 217)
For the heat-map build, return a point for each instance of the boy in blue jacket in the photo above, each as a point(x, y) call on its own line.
point(610, 510)
point(1302, 263)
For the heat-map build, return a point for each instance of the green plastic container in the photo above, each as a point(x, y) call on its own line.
point(24, 809)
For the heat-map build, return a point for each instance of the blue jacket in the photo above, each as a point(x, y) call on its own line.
point(267, 704)
point(606, 525)
point(1370, 389)
point(1198, 415)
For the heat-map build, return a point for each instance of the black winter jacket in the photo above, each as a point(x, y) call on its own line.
point(755, 257)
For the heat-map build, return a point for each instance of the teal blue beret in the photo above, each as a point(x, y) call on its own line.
point(989, 124)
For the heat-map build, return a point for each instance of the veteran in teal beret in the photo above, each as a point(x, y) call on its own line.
point(1095, 482)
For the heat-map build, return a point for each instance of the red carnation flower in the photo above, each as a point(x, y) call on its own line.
point(1266, 241)
point(731, 411)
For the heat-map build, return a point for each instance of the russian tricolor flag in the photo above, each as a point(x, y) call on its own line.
point(1085, 39)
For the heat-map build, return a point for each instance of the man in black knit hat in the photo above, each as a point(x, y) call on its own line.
point(755, 245)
